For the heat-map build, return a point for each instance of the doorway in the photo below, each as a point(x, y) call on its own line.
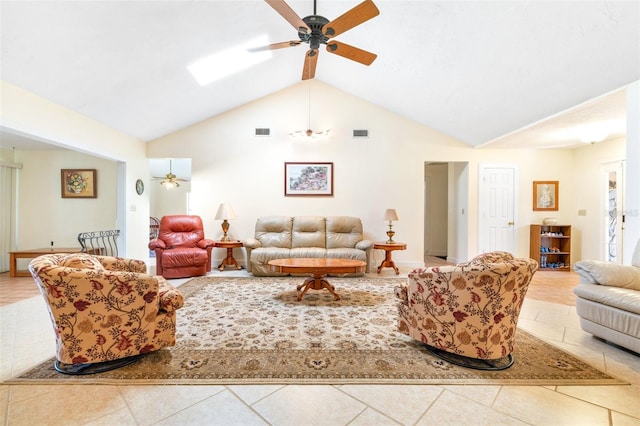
point(446, 195)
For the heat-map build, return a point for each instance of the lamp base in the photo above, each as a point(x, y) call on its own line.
point(225, 229)
point(390, 234)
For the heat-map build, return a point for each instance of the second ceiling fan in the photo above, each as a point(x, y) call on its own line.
point(316, 30)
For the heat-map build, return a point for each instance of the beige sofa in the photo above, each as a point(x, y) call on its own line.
point(280, 237)
point(608, 300)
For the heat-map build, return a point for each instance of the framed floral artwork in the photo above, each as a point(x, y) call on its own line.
point(545, 195)
point(308, 179)
point(79, 183)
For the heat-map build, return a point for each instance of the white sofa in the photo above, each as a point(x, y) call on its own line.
point(608, 300)
point(279, 237)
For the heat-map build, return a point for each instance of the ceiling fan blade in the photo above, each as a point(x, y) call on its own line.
point(275, 46)
point(287, 13)
point(310, 62)
point(350, 52)
point(356, 16)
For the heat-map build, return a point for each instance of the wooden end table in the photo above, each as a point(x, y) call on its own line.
point(229, 260)
point(318, 268)
point(31, 254)
point(388, 248)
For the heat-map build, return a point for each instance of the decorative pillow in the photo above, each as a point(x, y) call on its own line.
point(80, 261)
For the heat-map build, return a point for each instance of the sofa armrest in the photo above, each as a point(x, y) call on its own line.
point(364, 245)
point(607, 273)
point(252, 243)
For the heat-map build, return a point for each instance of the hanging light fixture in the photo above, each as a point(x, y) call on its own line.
point(170, 181)
point(309, 134)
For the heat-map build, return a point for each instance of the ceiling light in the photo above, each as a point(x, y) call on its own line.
point(230, 61)
point(169, 184)
point(309, 134)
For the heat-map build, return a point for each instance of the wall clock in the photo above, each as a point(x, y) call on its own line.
point(139, 187)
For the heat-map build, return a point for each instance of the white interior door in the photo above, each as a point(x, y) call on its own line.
point(497, 208)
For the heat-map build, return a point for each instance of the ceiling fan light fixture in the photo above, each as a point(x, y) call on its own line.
point(310, 134)
point(169, 184)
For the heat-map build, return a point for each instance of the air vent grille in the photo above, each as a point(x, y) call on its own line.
point(360, 133)
point(263, 131)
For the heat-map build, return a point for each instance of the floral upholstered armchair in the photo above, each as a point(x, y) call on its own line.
point(181, 248)
point(106, 311)
point(467, 313)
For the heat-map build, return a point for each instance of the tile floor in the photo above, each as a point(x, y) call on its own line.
point(26, 339)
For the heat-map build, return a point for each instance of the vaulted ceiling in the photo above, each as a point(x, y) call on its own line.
point(475, 70)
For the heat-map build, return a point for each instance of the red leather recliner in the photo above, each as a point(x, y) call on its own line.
point(181, 249)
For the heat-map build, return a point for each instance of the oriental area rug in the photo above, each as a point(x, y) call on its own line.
point(254, 331)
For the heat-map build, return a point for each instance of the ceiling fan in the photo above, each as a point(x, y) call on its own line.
point(170, 180)
point(315, 30)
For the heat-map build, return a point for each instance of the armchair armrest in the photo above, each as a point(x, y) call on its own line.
point(169, 297)
point(206, 243)
point(111, 263)
point(157, 244)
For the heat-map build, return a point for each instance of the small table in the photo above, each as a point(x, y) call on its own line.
point(388, 248)
point(318, 268)
point(229, 260)
point(31, 254)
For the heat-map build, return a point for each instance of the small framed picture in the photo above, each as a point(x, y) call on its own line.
point(79, 183)
point(545, 195)
point(308, 179)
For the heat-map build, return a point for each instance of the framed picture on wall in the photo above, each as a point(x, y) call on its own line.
point(545, 195)
point(308, 179)
point(79, 183)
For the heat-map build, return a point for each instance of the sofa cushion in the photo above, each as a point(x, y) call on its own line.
point(308, 231)
point(263, 255)
point(179, 257)
point(300, 252)
point(274, 231)
point(620, 298)
point(346, 253)
point(343, 231)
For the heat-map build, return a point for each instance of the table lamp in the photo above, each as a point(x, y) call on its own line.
point(225, 212)
point(390, 215)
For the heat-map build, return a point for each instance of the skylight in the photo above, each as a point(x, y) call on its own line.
point(219, 65)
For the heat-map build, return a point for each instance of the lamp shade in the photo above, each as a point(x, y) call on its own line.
point(390, 214)
point(225, 212)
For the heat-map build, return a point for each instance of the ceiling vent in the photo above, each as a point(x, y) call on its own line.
point(362, 133)
point(263, 131)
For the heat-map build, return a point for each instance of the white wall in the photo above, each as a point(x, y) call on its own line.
point(588, 186)
point(24, 112)
point(45, 216)
point(385, 170)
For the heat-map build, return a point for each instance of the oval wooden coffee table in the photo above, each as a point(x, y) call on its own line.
point(318, 268)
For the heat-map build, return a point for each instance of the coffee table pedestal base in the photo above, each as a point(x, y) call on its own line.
point(316, 283)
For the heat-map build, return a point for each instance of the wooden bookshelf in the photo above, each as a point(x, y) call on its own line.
point(550, 246)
